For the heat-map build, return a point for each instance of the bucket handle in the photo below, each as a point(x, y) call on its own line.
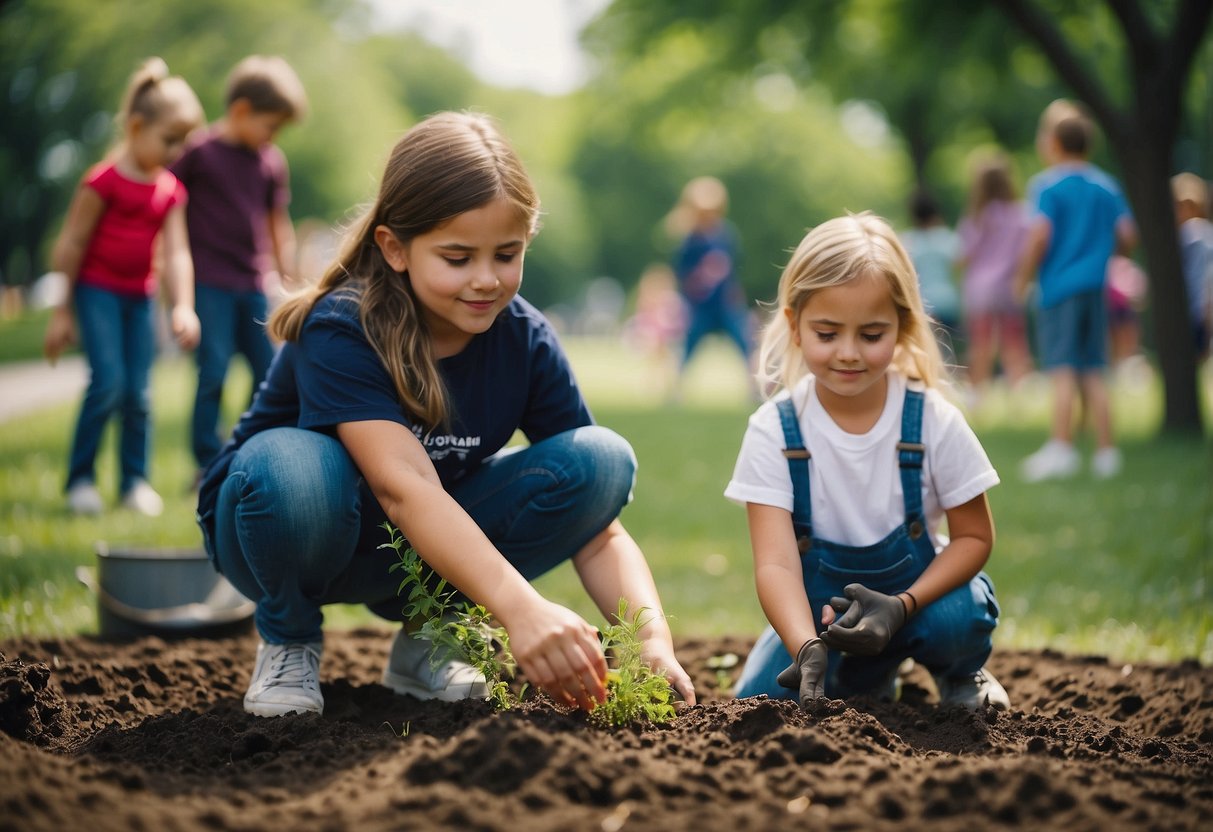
point(193, 612)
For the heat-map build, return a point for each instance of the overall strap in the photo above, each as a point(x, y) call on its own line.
point(798, 466)
point(910, 454)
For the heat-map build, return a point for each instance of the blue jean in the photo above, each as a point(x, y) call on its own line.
point(296, 527)
point(232, 322)
point(718, 314)
point(119, 340)
point(950, 637)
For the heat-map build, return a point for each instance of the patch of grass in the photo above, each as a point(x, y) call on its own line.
point(41, 544)
point(21, 337)
point(1120, 568)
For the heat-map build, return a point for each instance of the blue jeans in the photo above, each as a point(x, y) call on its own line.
point(232, 322)
point(296, 527)
point(950, 637)
point(1074, 333)
point(718, 314)
point(119, 341)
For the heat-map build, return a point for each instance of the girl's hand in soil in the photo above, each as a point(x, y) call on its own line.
point(560, 653)
point(659, 655)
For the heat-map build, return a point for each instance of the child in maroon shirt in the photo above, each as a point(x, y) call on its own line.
point(240, 232)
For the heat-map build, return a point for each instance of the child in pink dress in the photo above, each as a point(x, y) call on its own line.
point(992, 234)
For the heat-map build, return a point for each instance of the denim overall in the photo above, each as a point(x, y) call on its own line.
point(951, 636)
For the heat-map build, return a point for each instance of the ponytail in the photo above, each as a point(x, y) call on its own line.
point(136, 99)
point(151, 92)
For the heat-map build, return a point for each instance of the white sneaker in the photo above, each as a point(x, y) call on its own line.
point(981, 690)
point(143, 499)
point(411, 672)
point(286, 680)
point(1055, 460)
point(1106, 463)
point(84, 498)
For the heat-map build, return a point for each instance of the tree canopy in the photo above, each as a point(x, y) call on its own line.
point(804, 110)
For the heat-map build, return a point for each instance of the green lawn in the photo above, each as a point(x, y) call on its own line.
point(1120, 568)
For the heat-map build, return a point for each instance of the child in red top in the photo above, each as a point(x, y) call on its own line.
point(122, 208)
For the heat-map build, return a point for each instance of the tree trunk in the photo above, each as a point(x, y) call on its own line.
point(1145, 161)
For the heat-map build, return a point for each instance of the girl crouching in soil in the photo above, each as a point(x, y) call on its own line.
point(846, 476)
point(404, 373)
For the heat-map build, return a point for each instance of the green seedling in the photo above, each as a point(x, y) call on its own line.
point(722, 664)
point(452, 626)
point(635, 693)
point(404, 729)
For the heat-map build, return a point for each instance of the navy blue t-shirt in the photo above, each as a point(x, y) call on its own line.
point(515, 376)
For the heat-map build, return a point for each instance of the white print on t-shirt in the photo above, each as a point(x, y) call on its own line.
point(441, 445)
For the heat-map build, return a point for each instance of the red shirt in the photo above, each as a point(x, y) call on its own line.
point(119, 255)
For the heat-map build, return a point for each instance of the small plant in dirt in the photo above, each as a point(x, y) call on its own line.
point(635, 693)
point(453, 626)
point(722, 664)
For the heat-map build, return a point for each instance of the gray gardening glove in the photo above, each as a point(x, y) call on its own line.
point(869, 619)
point(807, 673)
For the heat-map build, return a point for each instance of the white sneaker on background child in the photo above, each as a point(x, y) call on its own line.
point(1055, 460)
point(286, 680)
point(1106, 463)
point(143, 499)
point(410, 672)
point(84, 498)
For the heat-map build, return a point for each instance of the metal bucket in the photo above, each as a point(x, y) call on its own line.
point(171, 593)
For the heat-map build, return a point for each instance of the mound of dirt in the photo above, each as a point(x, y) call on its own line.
point(151, 735)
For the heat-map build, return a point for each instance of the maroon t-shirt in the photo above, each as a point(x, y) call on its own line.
point(232, 191)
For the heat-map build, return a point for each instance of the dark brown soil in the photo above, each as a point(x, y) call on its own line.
point(150, 735)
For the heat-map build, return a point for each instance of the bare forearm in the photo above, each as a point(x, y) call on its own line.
point(785, 603)
point(955, 566)
point(453, 545)
point(611, 566)
point(66, 258)
point(282, 233)
point(179, 280)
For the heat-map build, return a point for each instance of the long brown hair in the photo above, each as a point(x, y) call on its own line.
point(446, 165)
point(991, 182)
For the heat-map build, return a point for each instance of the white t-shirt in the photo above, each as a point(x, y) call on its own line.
point(854, 478)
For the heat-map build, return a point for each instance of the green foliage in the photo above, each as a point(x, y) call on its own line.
point(456, 627)
point(21, 337)
point(635, 692)
point(668, 113)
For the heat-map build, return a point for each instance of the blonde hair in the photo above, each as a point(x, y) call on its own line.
point(1188, 187)
point(151, 93)
point(703, 194)
point(444, 166)
point(269, 85)
point(833, 254)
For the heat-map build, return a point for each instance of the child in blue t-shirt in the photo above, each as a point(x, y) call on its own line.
point(1080, 220)
point(404, 373)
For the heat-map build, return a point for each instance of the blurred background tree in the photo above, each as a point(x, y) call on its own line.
point(804, 110)
point(950, 74)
